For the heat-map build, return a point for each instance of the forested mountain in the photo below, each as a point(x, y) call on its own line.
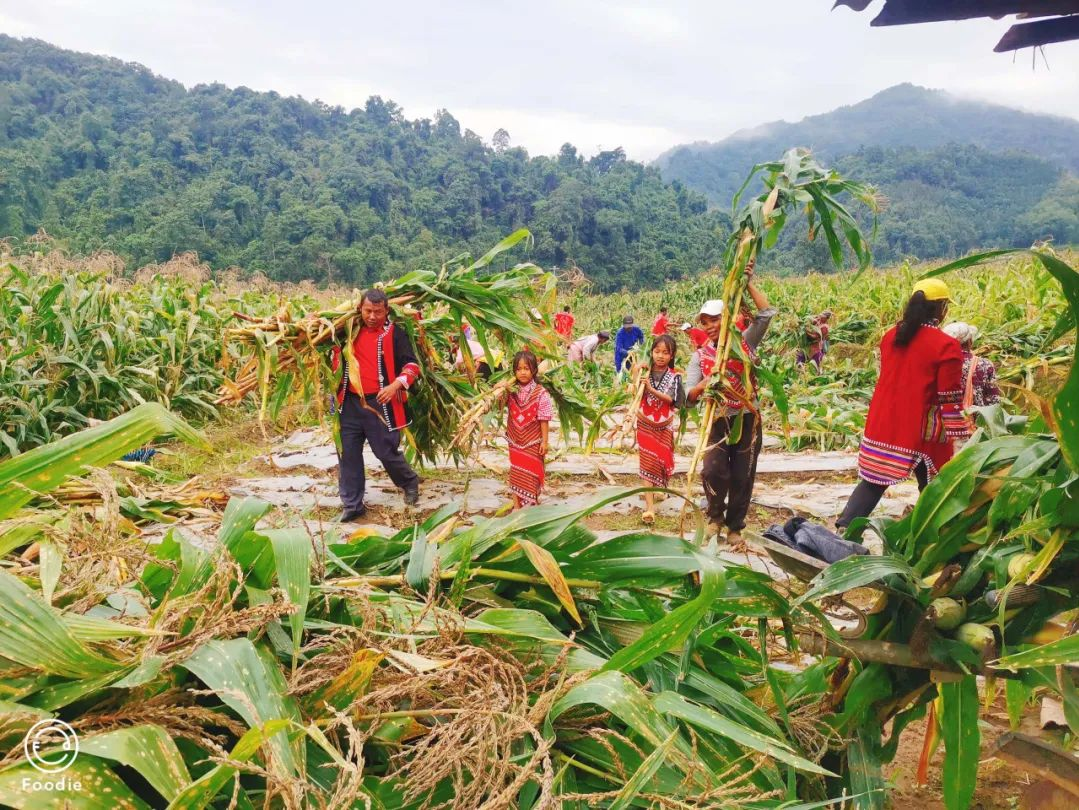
point(104, 154)
point(958, 175)
point(899, 117)
point(947, 202)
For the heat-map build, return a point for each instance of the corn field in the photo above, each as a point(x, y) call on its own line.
point(517, 660)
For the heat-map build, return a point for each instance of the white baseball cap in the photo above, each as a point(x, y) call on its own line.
point(712, 307)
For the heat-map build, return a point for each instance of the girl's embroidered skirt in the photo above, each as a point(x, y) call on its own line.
point(526, 473)
point(656, 443)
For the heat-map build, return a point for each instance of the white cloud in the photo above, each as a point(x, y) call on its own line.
point(636, 73)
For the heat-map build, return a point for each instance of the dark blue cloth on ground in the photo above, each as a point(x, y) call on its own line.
point(813, 539)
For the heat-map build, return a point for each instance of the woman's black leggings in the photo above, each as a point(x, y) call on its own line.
point(866, 496)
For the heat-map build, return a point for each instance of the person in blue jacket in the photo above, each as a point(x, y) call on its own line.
point(628, 337)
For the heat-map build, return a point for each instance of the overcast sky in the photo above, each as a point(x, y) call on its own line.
point(597, 73)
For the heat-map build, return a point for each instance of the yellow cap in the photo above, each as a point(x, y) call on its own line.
point(933, 289)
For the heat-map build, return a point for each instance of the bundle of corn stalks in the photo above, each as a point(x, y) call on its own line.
point(507, 309)
point(625, 430)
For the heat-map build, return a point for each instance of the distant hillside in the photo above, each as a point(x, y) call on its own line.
point(959, 174)
point(106, 155)
point(901, 116)
point(949, 201)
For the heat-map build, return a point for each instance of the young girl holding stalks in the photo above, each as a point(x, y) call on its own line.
point(527, 428)
point(663, 395)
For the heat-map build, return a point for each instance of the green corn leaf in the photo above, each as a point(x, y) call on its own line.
point(863, 762)
point(50, 561)
point(635, 556)
point(92, 628)
point(147, 749)
point(522, 234)
point(1016, 696)
point(641, 777)
point(674, 628)
point(855, 572)
point(1066, 402)
point(202, 791)
point(100, 788)
point(619, 695)
point(34, 635)
point(962, 741)
point(292, 553)
point(249, 682)
point(421, 560)
point(1056, 653)
point(42, 469)
point(702, 717)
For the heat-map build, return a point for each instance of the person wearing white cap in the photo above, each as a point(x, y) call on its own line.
point(697, 336)
point(979, 375)
point(728, 470)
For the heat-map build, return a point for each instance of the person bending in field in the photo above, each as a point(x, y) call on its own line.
point(377, 367)
point(979, 375)
point(663, 396)
point(585, 348)
point(729, 469)
point(915, 411)
point(816, 335)
point(527, 428)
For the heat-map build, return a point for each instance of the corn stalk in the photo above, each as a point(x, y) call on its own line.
point(797, 181)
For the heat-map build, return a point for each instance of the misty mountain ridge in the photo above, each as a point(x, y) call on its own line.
point(901, 116)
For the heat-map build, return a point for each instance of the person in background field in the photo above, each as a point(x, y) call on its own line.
point(563, 323)
point(479, 359)
point(628, 338)
point(663, 396)
point(527, 428)
point(915, 411)
point(979, 376)
point(729, 470)
point(585, 348)
point(661, 323)
point(698, 337)
point(377, 369)
point(817, 334)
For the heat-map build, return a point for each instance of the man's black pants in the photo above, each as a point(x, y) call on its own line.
point(729, 470)
point(360, 424)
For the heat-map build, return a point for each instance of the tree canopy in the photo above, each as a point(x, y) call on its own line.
point(106, 155)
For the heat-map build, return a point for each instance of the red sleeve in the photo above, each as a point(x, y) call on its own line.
point(950, 389)
point(335, 358)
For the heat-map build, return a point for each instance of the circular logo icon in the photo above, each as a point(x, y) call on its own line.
point(51, 746)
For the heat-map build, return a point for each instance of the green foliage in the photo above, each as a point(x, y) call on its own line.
point(666, 658)
point(970, 175)
point(75, 346)
point(104, 155)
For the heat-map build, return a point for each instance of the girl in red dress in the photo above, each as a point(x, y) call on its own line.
point(663, 395)
point(916, 411)
point(527, 426)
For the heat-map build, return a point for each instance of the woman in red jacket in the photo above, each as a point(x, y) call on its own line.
point(916, 409)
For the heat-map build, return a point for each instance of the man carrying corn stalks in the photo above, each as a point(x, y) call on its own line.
point(377, 367)
point(730, 463)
